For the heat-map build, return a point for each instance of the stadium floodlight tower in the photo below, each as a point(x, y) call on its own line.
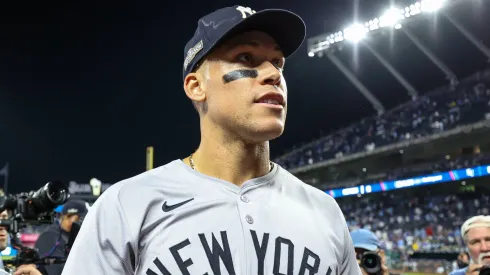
point(328, 44)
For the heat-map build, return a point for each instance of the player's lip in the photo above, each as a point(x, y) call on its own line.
point(272, 98)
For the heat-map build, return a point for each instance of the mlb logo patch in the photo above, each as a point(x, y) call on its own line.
point(191, 53)
point(72, 211)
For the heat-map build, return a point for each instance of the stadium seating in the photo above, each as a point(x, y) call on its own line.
point(429, 224)
point(440, 110)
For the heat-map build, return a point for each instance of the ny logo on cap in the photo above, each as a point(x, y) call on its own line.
point(245, 11)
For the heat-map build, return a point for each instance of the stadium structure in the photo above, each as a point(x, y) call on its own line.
point(415, 172)
point(88, 192)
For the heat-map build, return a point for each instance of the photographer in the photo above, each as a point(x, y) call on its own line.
point(463, 260)
point(476, 236)
point(51, 243)
point(370, 257)
point(4, 236)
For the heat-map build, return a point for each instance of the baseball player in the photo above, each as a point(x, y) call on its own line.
point(225, 209)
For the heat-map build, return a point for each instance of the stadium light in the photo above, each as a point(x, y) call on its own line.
point(432, 5)
point(373, 24)
point(391, 18)
point(355, 33)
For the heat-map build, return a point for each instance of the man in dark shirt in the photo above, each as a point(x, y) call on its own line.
point(52, 242)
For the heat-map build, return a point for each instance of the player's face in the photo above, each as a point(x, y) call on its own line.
point(245, 89)
point(3, 231)
point(478, 242)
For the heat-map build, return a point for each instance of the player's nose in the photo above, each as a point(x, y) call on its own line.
point(269, 74)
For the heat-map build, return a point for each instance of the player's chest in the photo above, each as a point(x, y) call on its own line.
point(239, 236)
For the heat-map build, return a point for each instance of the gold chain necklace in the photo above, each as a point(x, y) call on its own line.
point(193, 166)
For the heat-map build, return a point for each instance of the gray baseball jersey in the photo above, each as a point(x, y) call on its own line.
point(174, 220)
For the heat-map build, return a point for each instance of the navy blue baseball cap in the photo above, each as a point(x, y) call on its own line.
point(75, 207)
point(287, 29)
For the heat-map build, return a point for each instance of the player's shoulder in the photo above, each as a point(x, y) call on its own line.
point(170, 170)
point(300, 188)
point(145, 183)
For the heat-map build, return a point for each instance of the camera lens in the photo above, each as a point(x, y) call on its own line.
point(371, 262)
point(49, 196)
point(56, 192)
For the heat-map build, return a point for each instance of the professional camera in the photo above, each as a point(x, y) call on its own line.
point(371, 262)
point(33, 208)
point(485, 270)
point(36, 207)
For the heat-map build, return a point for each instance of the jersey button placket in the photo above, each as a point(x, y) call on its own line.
point(244, 198)
point(244, 207)
point(249, 219)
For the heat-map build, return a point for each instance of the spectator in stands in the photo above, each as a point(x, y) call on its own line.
point(52, 242)
point(476, 235)
point(4, 236)
point(365, 240)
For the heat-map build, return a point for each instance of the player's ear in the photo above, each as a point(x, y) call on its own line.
point(194, 87)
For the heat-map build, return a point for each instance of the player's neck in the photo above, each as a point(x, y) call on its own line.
point(232, 161)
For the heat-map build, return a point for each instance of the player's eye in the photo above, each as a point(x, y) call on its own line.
point(278, 63)
point(245, 58)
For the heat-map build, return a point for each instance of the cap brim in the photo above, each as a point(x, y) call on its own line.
point(59, 209)
point(287, 28)
point(370, 247)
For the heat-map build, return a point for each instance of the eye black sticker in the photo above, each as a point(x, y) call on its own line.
point(238, 74)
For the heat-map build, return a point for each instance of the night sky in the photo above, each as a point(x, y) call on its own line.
point(85, 88)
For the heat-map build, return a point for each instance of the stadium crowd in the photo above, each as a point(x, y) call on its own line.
point(405, 225)
point(416, 224)
point(440, 110)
